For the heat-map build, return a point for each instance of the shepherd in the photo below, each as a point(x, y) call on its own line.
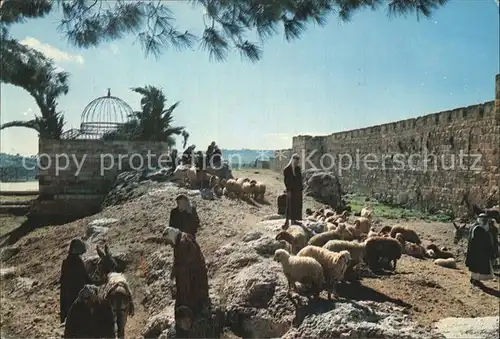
point(190, 274)
point(73, 277)
point(184, 217)
point(480, 251)
point(293, 184)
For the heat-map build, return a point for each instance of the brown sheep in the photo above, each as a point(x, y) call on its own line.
point(440, 254)
point(379, 248)
point(296, 236)
point(385, 230)
point(409, 234)
point(411, 249)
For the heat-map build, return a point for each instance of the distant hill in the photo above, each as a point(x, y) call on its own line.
point(247, 156)
point(13, 168)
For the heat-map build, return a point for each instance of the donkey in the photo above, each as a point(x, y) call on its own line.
point(461, 232)
point(114, 289)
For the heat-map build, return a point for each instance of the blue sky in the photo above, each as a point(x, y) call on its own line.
point(342, 76)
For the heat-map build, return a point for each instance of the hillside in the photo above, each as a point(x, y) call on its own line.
point(17, 167)
point(238, 246)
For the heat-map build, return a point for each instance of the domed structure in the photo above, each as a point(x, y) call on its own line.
point(103, 115)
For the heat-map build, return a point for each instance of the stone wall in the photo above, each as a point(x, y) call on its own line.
point(77, 189)
point(280, 159)
point(433, 161)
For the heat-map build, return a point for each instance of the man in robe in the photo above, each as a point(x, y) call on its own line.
point(210, 151)
point(73, 277)
point(190, 274)
point(293, 184)
point(184, 217)
point(480, 251)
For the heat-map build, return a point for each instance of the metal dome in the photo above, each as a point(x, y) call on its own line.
point(103, 115)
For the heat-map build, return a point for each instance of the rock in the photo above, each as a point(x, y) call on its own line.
point(161, 175)
point(253, 287)
point(323, 186)
point(128, 185)
point(96, 231)
point(207, 194)
point(7, 272)
point(315, 226)
point(484, 328)
point(103, 222)
point(8, 252)
point(159, 323)
point(352, 319)
point(251, 236)
point(273, 217)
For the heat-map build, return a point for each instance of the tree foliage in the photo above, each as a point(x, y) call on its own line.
point(153, 122)
point(228, 24)
point(29, 69)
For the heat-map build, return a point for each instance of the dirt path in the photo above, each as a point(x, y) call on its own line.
point(30, 302)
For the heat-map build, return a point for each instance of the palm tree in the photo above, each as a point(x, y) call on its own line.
point(185, 136)
point(32, 71)
point(153, 122)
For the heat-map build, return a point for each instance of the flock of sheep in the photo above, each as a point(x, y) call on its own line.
point(242, 188)
point(322, 260)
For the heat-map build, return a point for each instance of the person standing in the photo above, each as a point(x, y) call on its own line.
point(184, 217)
point(480, 251)
point(190, 274)
point(73, 277)
point(210, 151)
point(293, 184)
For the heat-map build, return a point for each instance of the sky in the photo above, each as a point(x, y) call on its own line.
point(371, 70)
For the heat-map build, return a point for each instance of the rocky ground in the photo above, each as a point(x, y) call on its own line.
point(238, 247)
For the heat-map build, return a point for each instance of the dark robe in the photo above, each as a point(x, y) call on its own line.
point(73, 277)
point(210, 152)
point(82, 323)
point(217, 157)
point(293, 184)
point(190, 272)
point(184, 221)
point(480, 251)
point(282, 203)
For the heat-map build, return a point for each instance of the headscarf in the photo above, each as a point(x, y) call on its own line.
point(481, 221)
point(171, 234)
point(290, 163)
point(77, 246)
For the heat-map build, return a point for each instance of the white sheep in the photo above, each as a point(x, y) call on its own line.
point(356, 249)
point(258, 189)
point(305, 270)
point(448, 263)
point(366, 213)
point(334, 264)
point(233, 187)
point(247, 189)
point(362, 226)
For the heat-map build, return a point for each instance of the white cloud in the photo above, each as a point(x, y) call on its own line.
point(114, 49)
point(51, 51)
